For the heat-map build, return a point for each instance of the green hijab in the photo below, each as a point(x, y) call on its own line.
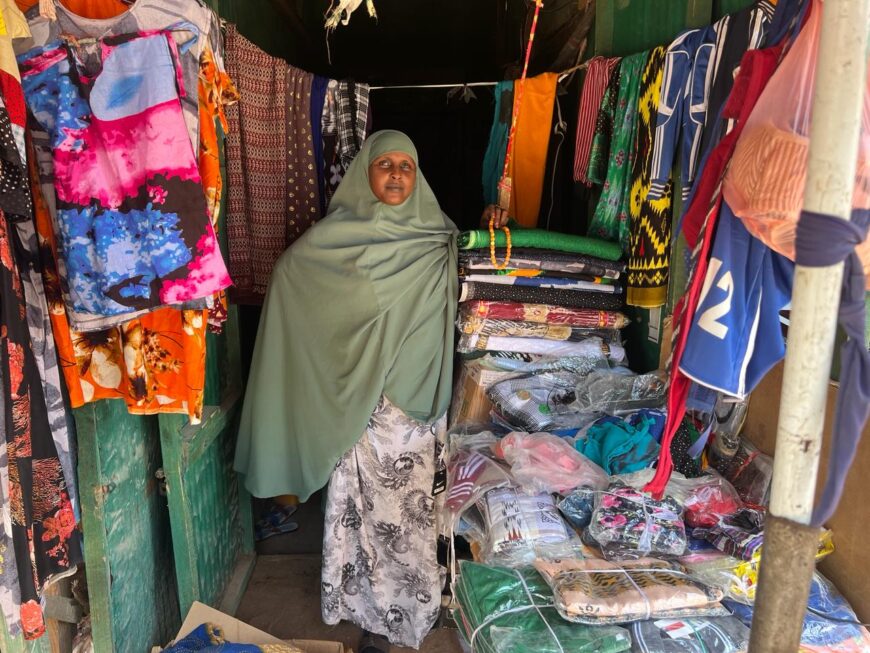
point(362, 305)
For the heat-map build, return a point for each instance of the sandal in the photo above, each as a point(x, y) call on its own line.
point(275, 522)
point(373, 643)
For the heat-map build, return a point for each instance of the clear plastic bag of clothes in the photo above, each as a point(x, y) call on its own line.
point(698, 635)
point(543, 462)
point(512, 611)
point(750, 472)
point(705, 499)
point(765, 181)
point(539, 402)
point(600, 592)
point(520, 363)
point(617, 391)
point(577, 506)
point(518, 526)
point(629, 524)
point(472, 469)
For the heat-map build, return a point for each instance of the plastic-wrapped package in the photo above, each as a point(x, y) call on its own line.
point(826, 628)
point(750, 472)
point(512, 611)
point(599, 592)
point(614, 392)
point(735, 577)
point(705, 499)
point(546, 463)
point(517, 526)
point(740, 535)
point(520, 363)
point(729, 414)
point(628, 524)
point(472, 468)
point(539, 402)
point(701, 635)
point(578, 506)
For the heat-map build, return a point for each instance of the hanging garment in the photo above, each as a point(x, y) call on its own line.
point(493, 160)
point(112, 179)
point(155, 363)
point(602, 135)
point(682, 110)
point(318, 99)
point(14, 27)
point(735, 35)
point(272, 196)
point(611, 218)
point(353, 114)
point(380, 558)
point(594, 85)
point(362, 305)
point(532, 138)
point(216, 90)
point(303, 206)
point(650, 219)
point(699, 226)
point(201, 29)
point(37, 461)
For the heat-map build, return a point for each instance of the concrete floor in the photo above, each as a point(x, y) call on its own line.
point(283, 595)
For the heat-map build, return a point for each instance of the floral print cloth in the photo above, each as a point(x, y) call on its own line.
point(628, 524)
point(611, 218)
point(131, 216)
point(380, 566)
point(38, 537)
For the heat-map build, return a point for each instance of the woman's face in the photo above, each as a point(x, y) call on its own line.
point(392, 177)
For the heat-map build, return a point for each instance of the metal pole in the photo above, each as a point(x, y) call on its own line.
point(790, 544)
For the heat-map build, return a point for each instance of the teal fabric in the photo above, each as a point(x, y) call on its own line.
point(493, 160)
point(618, 447)
point(361, 305)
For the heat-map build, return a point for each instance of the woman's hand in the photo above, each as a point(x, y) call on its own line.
point(499, 214)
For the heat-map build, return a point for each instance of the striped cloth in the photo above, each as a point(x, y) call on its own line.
point(597, 77)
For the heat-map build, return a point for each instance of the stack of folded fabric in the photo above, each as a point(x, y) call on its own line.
point(555, 307)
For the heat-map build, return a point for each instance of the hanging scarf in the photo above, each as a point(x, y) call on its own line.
point(361, 305)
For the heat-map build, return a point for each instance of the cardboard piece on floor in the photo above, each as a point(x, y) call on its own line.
point(239, 632)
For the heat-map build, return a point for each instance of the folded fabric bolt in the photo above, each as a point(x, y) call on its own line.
point(539, 238)
point(469, 290)
point(598, 592)
point(545, 314)
point(542, 282)
point(555, 348)
point(543, 259)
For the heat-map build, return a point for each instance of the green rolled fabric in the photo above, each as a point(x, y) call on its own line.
point(541, 239)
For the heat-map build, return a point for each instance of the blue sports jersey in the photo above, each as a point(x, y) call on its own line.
point(735, 337)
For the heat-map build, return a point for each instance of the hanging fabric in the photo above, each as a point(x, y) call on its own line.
point(527, 165)
point(493, 160)
point(611, 218)
point(650, 219)
point(594, 86)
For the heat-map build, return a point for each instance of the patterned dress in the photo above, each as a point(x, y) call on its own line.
point(380, 567)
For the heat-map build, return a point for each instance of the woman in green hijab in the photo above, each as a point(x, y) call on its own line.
point(350, 380)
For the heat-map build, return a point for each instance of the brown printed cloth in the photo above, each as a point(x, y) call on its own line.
point(272, 193)
point(476, 332)
point(569, 298)
point(598, 592)
point(544, 314)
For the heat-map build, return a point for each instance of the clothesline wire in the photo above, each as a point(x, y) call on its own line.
point(562, 76)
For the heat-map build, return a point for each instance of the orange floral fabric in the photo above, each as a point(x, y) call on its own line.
point(216, 90)
point(156, 363)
